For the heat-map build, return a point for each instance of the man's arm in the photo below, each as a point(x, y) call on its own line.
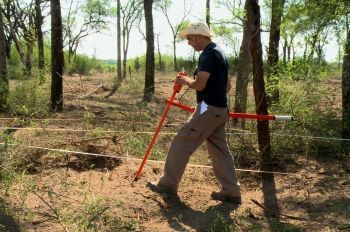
point(197, 84)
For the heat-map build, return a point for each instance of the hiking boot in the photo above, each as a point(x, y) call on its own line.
point(160, 188)
point(221, 197)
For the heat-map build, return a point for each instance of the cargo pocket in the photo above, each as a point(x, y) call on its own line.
point(190, 133)
point(220, 115)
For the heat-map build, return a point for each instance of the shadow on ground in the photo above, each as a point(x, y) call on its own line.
point(333, 213)
point(7, 222)
point(180, 215)
point(272, 209)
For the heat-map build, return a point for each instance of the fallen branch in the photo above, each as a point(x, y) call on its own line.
point(114, 139)
point(344, 227)
point(114, 89)
point(277, 213)
point(101, 86)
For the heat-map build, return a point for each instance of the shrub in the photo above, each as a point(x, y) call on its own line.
point(300, 69)
point(312, 117)
point(28, 99)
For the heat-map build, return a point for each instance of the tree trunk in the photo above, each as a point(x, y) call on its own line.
point(4, 83)
point(70, 54)
point(29, 39)
point(16, 41)
point(207, 13)
point(160, 62)
point(346, 92)
point(285, 44)
point(8, 38)
point(240, 105)
point(272, 56)
point(57, 58)
point(289, 49)
point(119, 77)
point(125, 54)
point(319, 51)
point(314, 38)
point(305, 51)
point(119, 58)
point(255, 49)
point(149, 75)
point(8, 43)
point(29, 57)
point(38, 24)
point(175, 60)
point(125, 50)
point(339, 56)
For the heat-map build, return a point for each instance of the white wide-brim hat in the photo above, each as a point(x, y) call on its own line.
point(198, 28)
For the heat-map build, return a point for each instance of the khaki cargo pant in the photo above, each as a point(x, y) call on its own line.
point(209, 126)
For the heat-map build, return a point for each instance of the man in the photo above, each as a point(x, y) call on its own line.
point(208, 121)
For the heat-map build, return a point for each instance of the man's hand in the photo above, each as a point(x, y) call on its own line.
point(197, 84)
point(183, 80)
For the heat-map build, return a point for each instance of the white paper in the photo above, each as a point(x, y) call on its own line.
point(203, 107)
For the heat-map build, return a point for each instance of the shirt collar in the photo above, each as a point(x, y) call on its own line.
point(210, 46)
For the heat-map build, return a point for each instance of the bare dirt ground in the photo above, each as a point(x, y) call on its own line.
point(65, 192)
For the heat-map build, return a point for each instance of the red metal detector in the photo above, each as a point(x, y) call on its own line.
point(170, 102)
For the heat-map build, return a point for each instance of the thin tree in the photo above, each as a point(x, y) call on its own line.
point(149, 75)
point(164, 6)
point(39, 34)
point(119, 50)
point(242, 71)
point(315, 18)
point(255, 50)
point(20, 25)
point(160, 61)
point(272, 55)
point(338, 31)
point(207, 12)
point(7, 12)
point(30, 39)
point(239, 21)
point(119, 78)
point(57, 58)
point(131, 12)
point(83, 19)
point(8, 37)
point(4, 83)
point(346, 90)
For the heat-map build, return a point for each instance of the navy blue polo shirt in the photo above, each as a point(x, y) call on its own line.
point(213, 61)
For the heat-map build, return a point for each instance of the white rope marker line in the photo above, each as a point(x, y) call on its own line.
point(167, 133)
point(131, 158)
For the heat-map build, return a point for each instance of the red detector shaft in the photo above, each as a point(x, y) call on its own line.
point(177, 87)
point(235, 115)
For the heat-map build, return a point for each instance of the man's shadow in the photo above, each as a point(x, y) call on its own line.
point(271, 210)
point(180, 215)
point(8, 222)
